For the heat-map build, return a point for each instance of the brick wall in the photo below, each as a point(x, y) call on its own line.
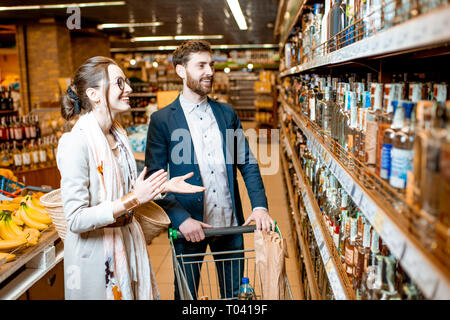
point(85, 47)
point(48, 58)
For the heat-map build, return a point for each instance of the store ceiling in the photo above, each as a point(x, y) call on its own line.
point(179, 17)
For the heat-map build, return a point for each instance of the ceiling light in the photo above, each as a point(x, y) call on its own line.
point(237, 13)
point(217, 36)
point(157, 38)
point(125, 25)
point(133, 62)
point(155, 64)
point(63, 6)
point(250, 66)
point(227, 70)
point(185, 37)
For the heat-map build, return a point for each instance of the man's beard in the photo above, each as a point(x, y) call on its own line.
point(196, 85)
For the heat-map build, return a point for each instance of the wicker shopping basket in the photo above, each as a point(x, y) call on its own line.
point(153, 218)
point(53, 203)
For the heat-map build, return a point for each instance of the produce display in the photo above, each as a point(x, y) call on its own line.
point(21, 222)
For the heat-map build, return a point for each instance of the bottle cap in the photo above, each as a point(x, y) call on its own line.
point(408, 107)
point(244, 280)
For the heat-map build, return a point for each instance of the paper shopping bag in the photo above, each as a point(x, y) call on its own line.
point(271, 251)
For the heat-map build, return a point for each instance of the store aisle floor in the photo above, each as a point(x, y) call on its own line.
point(160, 251)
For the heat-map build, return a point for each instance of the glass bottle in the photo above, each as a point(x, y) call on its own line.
point(431, 172)
point(42, 154)
point(402, 151)
point(17, 156)
point(34, 152)
point(26, 157)
point(17, 129)
point(388, 139)
point(444, 203)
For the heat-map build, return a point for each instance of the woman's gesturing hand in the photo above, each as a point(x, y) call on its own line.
point(179, 185)
point(146, 190)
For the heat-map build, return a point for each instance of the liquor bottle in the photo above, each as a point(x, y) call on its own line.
point(17, 129)
point(326, 106)
point(402, 151)
point(350, 247)
point(373, 115)
point(33, 129)
point(26, 157)
point(390, 291)
point(42, 154)
point(3, 99)
point(388, 139)
point(34, 153)
point(10, 124)
point(423, 127)
point(10, 100)
point(4, 132)
point(431, 172)
point(17, 156)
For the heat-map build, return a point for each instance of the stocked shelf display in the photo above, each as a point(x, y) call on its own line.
point(29, 242)
point(381, 133)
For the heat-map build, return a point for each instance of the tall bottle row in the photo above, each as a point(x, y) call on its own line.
point(398, 131)
point(330, 25)
point(374, 273)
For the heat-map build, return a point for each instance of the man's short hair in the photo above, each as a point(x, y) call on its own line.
point(181, 54)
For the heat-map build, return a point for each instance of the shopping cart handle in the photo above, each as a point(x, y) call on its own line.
point(211, 232)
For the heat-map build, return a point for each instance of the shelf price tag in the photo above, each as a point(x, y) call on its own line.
point(378, 222)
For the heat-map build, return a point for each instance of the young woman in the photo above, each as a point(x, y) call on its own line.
point(105, 254)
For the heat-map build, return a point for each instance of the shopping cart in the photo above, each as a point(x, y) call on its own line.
point(208, 263)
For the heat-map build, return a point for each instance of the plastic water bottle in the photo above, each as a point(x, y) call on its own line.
point(246, 291)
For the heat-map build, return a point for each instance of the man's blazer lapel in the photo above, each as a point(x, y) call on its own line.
point(181, 122)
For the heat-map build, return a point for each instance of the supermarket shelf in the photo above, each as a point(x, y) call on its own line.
point(312, 281)
point(47, 238)
point(27, 278)
point(429, 29)
point(429, 273)
point(285, 33)
point(339, 282)
point(142, 94)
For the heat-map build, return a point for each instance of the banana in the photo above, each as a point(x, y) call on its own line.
point(9, 257)
point(35, 204)
point(36, 215)
point(16, 229)
point(5, 232)
point(11, 244)
point(16, 219)
point(29, 221)
point(32, 236)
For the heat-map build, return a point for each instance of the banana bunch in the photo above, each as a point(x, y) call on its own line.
point(21, 221)
point(12, 236)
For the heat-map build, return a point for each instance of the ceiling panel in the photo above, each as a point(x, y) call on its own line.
point(180, 17)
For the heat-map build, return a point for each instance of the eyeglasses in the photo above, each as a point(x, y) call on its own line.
point(121, 83)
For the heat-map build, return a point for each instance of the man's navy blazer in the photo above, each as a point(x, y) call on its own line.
point(170, 147)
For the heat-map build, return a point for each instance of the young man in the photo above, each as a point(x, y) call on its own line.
point(197, 134)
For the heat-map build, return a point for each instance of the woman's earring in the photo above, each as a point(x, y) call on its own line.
point(97, 107)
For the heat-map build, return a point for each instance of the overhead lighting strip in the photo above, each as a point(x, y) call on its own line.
point(236, 10)
point(219, 47)
point(63, 6)
point(127, 25)
point(183, 37)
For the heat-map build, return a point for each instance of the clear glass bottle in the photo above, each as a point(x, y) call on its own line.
point(26, 157)
point(402, 151)
point(42, 154)
point(17, 156)
point(34, 152)
point(388, 140)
